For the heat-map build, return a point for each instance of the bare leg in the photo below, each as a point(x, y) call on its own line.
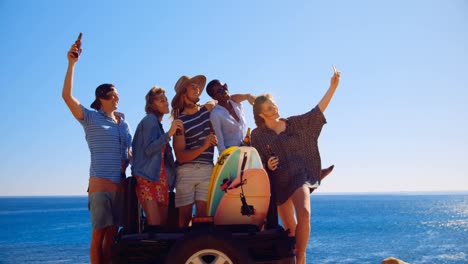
point(151, 209)
point(185, 215)
point(201, 208)
point(288, 217)
point(95, 251)
point(301, 201)
point(111, 232)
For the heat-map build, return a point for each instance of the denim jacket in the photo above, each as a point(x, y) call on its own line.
point(147, 146)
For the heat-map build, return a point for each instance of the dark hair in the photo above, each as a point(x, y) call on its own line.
point(150, 96)
point(257, 108)
point(209, 87)
point(101, 93)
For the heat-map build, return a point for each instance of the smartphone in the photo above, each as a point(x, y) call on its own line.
point(78, 44)
point(334, 68)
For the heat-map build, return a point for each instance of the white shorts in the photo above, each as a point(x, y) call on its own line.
point(193, 180)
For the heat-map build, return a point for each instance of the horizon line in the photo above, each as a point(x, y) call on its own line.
point(317, 193)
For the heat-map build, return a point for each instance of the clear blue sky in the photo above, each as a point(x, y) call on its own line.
point(398, 121)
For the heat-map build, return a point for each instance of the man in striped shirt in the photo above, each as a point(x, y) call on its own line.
point(109, 139)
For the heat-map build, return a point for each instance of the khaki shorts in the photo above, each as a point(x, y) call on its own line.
point(193, 180)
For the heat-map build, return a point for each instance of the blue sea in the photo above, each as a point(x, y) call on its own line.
point(418, 228)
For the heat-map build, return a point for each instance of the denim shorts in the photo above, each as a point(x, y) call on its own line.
point(193, 180)
point(106, 209)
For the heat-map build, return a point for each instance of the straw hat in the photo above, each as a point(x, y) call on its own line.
point(186, 80)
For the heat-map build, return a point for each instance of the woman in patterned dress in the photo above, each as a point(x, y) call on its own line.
point(295, 167)
point(153, 162)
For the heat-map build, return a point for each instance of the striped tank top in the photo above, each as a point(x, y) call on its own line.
point(197, 128)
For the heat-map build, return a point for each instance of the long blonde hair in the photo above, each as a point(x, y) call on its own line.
point(177, 102)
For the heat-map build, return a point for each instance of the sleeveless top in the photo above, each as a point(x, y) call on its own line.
point(197, 128)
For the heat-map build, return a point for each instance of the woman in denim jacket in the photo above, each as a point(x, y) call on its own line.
point(153, 162)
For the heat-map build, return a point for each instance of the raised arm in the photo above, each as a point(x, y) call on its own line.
point(72, 103)
point(239, 98)
point(335, 80)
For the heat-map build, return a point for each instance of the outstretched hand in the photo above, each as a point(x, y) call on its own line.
point(71, 53)
point(335, 80)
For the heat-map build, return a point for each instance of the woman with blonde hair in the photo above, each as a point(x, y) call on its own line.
point(295, 168)
point(153, 162)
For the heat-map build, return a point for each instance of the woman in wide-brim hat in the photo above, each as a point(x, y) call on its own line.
point(178, 103)
point(193, 147)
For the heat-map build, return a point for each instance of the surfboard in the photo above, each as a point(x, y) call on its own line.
point(228, 167)
point(227, 164)
point(256, 190)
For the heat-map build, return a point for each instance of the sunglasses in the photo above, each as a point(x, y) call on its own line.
point(222, 88)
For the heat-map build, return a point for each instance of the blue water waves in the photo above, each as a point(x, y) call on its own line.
point(369, 228)
point(44, 230)
point(345, 229)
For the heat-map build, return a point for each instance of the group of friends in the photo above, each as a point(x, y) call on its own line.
point(295, 169)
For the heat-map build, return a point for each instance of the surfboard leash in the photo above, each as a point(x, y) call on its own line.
point(246, 209)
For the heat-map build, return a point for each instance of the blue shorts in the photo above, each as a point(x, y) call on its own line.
point(193, 180)
point(106, 209)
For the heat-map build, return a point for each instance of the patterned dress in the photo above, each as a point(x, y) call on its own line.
point(297, 150)
point(158, 191)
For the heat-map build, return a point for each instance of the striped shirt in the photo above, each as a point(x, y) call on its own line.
point(197, 128)
point(108, 143)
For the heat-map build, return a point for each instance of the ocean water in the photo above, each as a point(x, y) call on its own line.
point(345, 229)
point(369, 228)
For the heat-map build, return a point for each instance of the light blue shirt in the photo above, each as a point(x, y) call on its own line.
point(108, 142)
point(229, 131)
point(147, 146)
